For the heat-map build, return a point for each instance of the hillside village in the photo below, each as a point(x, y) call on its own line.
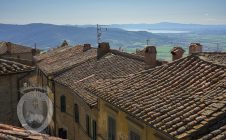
point(106, 94)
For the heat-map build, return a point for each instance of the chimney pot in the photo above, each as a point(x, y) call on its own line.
point(195, 48)
point(150, 56)
point(103, 48)
point(177, 53)
point(86, 47)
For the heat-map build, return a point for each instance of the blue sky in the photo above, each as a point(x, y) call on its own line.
point(112, 11)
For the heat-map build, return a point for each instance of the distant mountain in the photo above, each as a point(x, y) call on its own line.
point(48, 35)
point(118, 35)
point(171, 26)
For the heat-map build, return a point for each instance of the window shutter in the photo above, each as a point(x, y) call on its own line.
point(76, 113)
point(94, 130)
point(111, 129)
point(87, 125)
point(63, 103)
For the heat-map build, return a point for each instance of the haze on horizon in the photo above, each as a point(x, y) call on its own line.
point(112, 11)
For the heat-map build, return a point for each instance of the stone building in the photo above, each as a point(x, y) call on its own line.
point(56, 61)
point(185, 99)
point(76, 109)
point(12, 77)
point(18, 53)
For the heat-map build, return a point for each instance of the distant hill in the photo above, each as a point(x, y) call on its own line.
point(48, 35)
point(213, 37)
point(173, 26)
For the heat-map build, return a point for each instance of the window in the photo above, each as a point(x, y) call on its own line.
point(62, 133)
point(88, 124)
point(111, 128)
point(63, 103)
point(76, 111)
point(134, 136)
point(94, 130)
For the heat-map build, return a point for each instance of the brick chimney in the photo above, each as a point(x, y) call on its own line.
point(103, 48)
point(195, 48)
point(150, 56)
point(177, 53)
point(8, 47)
point(86, 47)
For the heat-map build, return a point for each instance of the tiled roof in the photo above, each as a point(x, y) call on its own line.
point(219, 133)
point(8, 132)
point(49, 53)
point(9, 67)
point(218, 58)
point(65, 59)
point(15, 48)
point(177, 99)
point(113, 64)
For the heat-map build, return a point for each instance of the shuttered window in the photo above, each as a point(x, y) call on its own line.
point(134, 136)
point(111, 128)
point(76, 110)
point(62, 133)
point(88, 124)
point(94, 130)
point(63, 103)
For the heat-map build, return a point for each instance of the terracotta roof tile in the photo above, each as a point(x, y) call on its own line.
point(15, 48)
point(9, 67)
point(178, 98)
point(49, 53)
point(113, 64)
point(218, 58)
point(15, 133)
point(65, 58)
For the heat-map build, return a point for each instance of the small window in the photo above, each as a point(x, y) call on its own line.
point(76, 111)
point(63, 103)
point(134, 136)
point(62, 133)
point(88, 125)
point(94, 130)
point(111, 128)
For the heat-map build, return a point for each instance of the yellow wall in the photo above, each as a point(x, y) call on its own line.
point(124, 124)
point(66, 119)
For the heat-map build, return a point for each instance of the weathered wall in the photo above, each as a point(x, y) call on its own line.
point(124, 124)
point(66, 119)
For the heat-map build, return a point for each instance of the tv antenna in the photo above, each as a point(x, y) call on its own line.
point(100, 29)
point(147, 41)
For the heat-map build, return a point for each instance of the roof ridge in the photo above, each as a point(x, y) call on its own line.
point(128, 55)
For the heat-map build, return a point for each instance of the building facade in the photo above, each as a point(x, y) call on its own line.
point(13, 75)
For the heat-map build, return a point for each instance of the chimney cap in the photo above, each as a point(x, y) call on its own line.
point(150, 49)
point(177, 49)
point(198, 44)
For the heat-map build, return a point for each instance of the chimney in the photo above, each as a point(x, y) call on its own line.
point(195, 48)
point(150, 56)
point(33, 52)
point(177, 53)
point(86, 47)
point(64, 44)
point(8, 47)
point(103, 48)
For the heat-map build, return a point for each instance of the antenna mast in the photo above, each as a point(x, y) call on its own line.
point(99, 32)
